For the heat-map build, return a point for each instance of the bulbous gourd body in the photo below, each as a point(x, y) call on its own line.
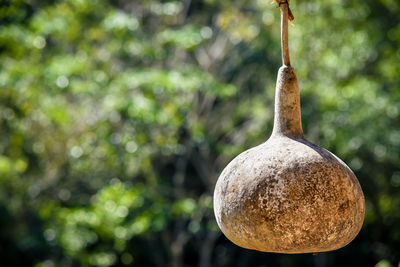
point(288, 195)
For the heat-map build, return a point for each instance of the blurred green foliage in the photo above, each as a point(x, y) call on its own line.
point(116, 118)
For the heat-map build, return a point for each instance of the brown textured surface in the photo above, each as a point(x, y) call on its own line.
point(288, 195)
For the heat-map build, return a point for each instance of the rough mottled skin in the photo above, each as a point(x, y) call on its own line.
point(288, 195)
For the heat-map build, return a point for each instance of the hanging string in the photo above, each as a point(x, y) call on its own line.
point(290, 14)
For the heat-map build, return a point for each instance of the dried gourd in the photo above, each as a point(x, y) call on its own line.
point(288, 195)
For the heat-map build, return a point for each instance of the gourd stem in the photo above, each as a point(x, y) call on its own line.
point(284, 5)
point(287, 119)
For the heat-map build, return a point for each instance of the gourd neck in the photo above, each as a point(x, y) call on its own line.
point(287, 120)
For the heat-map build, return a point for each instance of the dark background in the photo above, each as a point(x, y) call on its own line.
point(116, 118)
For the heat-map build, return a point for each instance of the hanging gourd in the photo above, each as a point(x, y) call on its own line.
point(288, 195)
